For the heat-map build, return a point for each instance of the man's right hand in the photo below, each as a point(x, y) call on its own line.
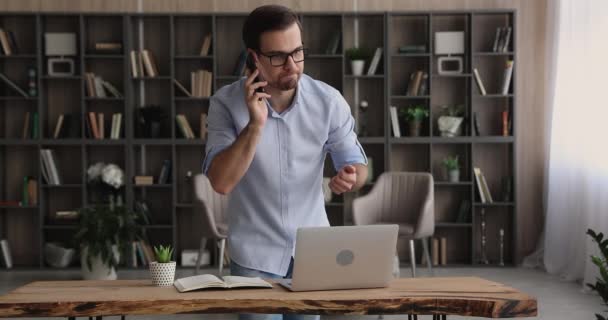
point(258, 112)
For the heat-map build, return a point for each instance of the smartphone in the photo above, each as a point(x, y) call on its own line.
point(251, 66)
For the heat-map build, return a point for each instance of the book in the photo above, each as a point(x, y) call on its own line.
point(496, 39)
point(203, 126)
point(334, 43)
point(480, 86)
point(26, 126)
point(5, 42)
point(58, 126)
point(12, 85)
point(412, 48)
point(505, 123)
point(482, 195)
point(464, 211)
point(165, 172)
point(134, 64)
point(375, 61)
point(35, 126)
point(507, 39)
point(414, 83)
point(395, 122)
point(101, 125)
point(444, 251)
point(475, 124)
point(6, 254)
point(486, 190)
point(111, 89)
point(182, 88)
point(506, 79)
point(110, 47)
point(423, 84)
point(205, 281)
point(435, 250)
point(32, 191)
point(149, 63)
point(144, 180)
point(206, 45)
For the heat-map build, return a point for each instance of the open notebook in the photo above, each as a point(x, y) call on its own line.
point(205, 281)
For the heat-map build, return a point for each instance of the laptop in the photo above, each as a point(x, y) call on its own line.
point(349, 257)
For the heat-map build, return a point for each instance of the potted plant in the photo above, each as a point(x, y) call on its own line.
point(601, 284)
point(450, 121)
point(452, 168)
point(163, 269)
point(357, 57)
point(106, 180)
point(104, 234)
point(414, 116)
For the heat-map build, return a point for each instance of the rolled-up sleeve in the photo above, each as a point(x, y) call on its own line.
point(342, 143)
point(221, 132)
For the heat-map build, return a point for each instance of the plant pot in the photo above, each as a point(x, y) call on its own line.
point(57, 256)
point(357, 67)
point(153, 129)
point(454, 175)
point(162, 274)
point(450, 126)
point(414, 127)
point(99, 270)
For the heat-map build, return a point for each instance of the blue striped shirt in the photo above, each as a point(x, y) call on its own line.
point(282, 189)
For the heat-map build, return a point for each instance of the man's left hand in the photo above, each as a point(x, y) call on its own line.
point(344, 180)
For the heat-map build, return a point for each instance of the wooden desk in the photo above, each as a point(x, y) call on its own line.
point(466, 296)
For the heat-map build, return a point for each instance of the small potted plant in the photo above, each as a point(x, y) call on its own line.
point(414, 116)
point(450, 121)
point(452, 168)
point(357, 57)
point(163, 269)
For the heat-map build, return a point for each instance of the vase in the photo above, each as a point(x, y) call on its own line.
point(162, 274)
point(454, 175)
point(414, 127)
point(357, 67)
point(450, 126)
point(99, 270)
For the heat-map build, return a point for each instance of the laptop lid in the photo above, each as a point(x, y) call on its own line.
point(346, 257)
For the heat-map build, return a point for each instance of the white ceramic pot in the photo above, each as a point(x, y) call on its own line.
point(99, 270)
point(450, 126)
point(357, 67)
point(454, 175)
point(162, 274)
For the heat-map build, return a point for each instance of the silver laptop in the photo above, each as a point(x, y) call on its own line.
point(350, 257)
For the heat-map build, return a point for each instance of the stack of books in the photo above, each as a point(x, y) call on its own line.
point(143, 64)
point(144, 180)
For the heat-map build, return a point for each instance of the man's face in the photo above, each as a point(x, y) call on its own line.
point(279, 43)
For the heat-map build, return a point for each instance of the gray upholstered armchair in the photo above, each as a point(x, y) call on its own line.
point(403, 198)
point(212, 207)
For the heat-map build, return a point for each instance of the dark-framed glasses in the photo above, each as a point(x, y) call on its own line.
point(280, 59)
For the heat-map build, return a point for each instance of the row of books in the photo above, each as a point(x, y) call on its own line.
point(99, 88)
point(143, 64)
point(8, 45)
point(186, 130)
point(30, 126)
point(141, 254)
point(506, 124)
point(502, 39)
point(206, 45)
point(201, 82)
point(164, 176)
point(418, 83)
point(50, 173)
point(506, 79)
point(439, 252)
point(96, 124)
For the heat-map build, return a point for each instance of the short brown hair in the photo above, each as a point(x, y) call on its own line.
point(267, 18)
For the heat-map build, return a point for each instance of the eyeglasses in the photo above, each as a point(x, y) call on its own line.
point(280, 59)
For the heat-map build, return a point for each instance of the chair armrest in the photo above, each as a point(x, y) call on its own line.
point(365, 210)
point(425, 226)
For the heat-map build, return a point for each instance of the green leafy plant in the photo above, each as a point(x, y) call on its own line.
point(414, 113)
point(101, 227)
point(163, 254)
point(451, 163)
point(453, 110)
point(357, 53)
point(600, 285)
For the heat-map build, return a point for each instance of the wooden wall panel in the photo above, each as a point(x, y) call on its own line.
point(530, 68)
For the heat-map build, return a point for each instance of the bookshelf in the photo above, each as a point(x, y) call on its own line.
point(175, 42)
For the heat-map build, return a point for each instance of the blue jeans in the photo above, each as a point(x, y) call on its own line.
point(238, 270)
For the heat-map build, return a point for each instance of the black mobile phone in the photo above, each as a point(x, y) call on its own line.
point(251, 66)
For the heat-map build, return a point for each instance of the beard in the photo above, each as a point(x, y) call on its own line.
point(288, 82)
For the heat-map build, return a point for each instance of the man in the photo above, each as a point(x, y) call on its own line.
point(267, 149)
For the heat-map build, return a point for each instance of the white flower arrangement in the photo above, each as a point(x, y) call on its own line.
point(109, 174)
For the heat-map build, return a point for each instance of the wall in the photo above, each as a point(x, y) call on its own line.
point(530, 67)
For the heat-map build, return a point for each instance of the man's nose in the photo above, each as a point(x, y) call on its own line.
point(290, 64)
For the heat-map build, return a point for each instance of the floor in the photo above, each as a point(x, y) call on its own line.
point(556, 299)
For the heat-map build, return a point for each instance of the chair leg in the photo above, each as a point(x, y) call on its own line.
point(201, 250)
point(413, 258)
point(222, 248)
point(427, 254)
